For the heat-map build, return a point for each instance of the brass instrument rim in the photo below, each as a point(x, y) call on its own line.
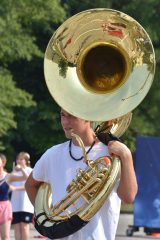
point(112, 45)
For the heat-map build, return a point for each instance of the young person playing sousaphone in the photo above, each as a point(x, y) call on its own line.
point(58, 166)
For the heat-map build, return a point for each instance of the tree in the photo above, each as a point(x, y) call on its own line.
point(11, 97)
point(25, 28)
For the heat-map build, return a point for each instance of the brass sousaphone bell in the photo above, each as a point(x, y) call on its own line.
point(99, 65)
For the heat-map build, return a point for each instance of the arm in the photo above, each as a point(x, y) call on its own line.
point(32, 187)
point(11, 177)
point(13, 188)
point(128, 184)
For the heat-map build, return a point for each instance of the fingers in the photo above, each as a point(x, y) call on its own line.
point(117, 148)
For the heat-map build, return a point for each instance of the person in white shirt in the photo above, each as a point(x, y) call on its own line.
point(58, 165)
point(22, 208)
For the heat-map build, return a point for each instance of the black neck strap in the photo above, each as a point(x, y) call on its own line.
point(78, 159)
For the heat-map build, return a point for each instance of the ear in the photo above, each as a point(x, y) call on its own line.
point(3, 163)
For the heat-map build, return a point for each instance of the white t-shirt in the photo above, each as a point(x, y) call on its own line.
point(19, 199)
point(57, 168)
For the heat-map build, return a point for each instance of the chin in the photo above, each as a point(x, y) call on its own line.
point(68, 135)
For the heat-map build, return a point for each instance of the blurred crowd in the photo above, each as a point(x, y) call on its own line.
point(15, 206)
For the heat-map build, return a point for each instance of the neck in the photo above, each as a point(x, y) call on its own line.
point(86, 138)
point(2, 172)
point(80, 158)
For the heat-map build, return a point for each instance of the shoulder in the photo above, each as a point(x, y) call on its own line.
point(48, 161)
point(56, 148)
point(100, 146)
point(28, 169)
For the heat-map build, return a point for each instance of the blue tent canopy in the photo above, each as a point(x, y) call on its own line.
point(147, 167)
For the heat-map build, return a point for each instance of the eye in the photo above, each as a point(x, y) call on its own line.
point(62, 114)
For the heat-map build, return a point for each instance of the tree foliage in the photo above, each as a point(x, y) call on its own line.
point(11, 97)
point(25, 28)
point(29, 118)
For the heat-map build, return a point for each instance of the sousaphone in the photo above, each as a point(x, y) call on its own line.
point(99, 65)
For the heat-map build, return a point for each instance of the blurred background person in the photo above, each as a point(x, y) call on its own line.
point(5, 204)
point(21, 205)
